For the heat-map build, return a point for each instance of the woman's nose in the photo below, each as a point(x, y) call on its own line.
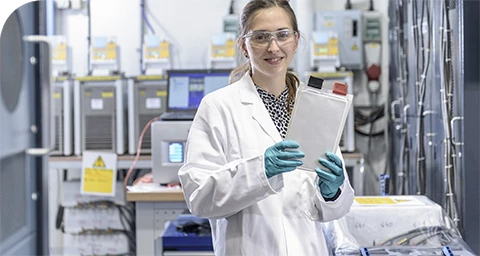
point(273, 45)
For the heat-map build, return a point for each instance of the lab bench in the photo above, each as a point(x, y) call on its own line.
point(152, 211)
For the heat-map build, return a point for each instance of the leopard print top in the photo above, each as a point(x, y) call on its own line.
point(277, 108)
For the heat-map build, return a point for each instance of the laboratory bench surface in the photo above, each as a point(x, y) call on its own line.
point(172, 195)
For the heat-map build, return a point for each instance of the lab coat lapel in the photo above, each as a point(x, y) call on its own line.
point(250, 99)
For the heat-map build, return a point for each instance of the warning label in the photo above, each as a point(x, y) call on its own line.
point(99, 162)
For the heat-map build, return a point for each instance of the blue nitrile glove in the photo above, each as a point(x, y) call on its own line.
point(279, 160)
point(330, 182)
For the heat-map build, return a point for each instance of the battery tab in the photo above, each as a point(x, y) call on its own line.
point(339, 88)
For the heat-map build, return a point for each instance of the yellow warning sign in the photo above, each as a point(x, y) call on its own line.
point(355, 47)
point(99, 181)
point(99, 162)
point(99, 173)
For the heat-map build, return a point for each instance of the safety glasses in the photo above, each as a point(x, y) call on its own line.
point(262, 38)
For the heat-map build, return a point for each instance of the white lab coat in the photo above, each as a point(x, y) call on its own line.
point(224, 179)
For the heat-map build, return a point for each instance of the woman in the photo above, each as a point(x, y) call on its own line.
point(237, 172)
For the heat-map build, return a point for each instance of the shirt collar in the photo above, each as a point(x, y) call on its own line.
point(268, 96)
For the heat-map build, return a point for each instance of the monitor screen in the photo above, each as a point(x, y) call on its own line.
point(186, 88)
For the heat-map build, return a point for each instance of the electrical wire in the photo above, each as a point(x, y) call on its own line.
point(418, 72)
point(423, 57)
point(447, 89)
point(370, 119)
point(145, 18)
point(399, 179)
point(126, 220)
point(405, 130)
point(375, 134)
point(139, 149)
point(427, 232)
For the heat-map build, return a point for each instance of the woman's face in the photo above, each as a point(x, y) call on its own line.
point(272, 57)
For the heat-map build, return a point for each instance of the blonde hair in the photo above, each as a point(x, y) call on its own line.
point(246, 17)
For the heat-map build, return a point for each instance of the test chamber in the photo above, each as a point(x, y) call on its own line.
point(147, 99)
point(168, 149)
point(63, 114)
point(100, 114)
point(62, 95)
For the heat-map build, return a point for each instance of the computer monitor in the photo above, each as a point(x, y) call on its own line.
point(186, 88)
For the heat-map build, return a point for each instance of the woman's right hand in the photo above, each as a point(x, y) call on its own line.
point(278, 160)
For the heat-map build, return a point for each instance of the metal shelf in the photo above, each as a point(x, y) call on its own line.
point(75, 162)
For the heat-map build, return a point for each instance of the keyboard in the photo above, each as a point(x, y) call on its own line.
point(177, 116)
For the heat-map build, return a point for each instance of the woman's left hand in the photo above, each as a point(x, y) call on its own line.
point(330, 181)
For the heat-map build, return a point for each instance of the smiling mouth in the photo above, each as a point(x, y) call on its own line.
point(274, 59)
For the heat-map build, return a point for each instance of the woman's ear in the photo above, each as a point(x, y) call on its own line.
point(297, 41)
point(241, 45)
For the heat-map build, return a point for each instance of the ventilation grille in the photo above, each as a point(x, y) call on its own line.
point(11, 56)
point(100, 133)
point(13, 207)
point(147, 139)
point(59, 134)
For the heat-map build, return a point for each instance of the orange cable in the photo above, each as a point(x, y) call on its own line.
point(139, 148)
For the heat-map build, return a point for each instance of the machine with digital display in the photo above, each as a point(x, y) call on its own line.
point(104, 57)
point(185, 91)
point(168, 149)
point(222, 51)
point(156, 57)
point(61, 56)
point(324, 56)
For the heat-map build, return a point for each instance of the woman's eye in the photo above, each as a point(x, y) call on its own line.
point(260, 37)
point(282, 35)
